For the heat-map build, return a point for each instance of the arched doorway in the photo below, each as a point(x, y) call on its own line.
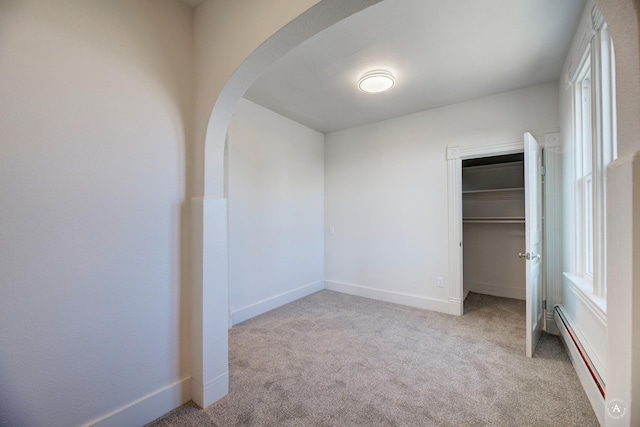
point(276, 29)
point(209, 232)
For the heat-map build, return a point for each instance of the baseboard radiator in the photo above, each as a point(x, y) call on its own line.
point(591, 381)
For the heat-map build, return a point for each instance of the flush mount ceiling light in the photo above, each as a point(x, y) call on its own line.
point(376, 81)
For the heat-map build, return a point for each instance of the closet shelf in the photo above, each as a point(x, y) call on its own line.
point(506, 165)
point(494, 220)
point(493, 190)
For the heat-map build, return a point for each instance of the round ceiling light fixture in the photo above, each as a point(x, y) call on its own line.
point(376, 81)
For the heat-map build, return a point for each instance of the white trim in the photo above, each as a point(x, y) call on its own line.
point(552, 140)
point(209, 298)
point(149, 407)
point(454, 197)
point(496, 289)
point(597, 20)
point(581, 113)
point(583, 36)
point(550, 324)
point(552, 227)
point(247, 312)
point(212, 391)
point(588, 384)
point(584, 315)
point(583, 288)
point(604, 150)
point(454, 155)
point(456, 152)
point(596, 58)
point(448, 307)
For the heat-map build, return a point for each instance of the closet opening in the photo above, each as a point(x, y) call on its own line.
point(501, 237)
point(493, 226)
point(495, 231)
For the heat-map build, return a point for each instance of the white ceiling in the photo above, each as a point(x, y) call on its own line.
point(441, 52)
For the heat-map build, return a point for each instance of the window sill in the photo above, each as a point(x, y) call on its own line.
point(584, 289)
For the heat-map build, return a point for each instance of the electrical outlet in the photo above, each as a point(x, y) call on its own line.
point(440, 282)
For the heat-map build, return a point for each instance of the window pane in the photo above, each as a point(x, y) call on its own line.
point(586, 125)
point(588, 224)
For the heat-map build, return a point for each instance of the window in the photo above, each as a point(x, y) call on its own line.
point(584, 177)
point(594, 143)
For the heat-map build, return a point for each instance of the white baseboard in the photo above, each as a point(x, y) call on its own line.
point(496, 290)
point(394, 297)
point(211, 392)
point(586, 379)
point(588, 322)
point(550, 324)
point(148, 408)
point(244, 313)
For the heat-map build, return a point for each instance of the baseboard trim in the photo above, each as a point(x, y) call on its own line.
point(211, 392)
point(394, 297)
point(550, 324)
point(586, 374)
point(590, 317)
point(149, 407)
point(245, 313)
point(495, 290)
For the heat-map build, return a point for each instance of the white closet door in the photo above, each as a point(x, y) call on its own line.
point(533, 237)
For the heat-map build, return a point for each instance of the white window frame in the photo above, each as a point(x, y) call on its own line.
point(589, 259)
point(583, 176)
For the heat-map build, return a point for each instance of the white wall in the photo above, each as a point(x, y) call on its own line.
point(386, 192)
point(276, 210)
point(623, 199)
point(491, 263)
point(490, 249)
point(95, 106)
point(622, 16)
point(225, 34)
point(587, 320)
point(235, 41)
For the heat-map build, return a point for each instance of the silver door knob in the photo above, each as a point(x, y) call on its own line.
point(528, 255)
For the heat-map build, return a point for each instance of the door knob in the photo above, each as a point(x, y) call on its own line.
point(528, 255)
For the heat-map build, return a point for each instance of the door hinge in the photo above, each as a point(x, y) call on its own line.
point(544, 304)
point(543, 170)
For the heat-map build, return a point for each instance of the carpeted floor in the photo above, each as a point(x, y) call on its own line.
point(337, 360)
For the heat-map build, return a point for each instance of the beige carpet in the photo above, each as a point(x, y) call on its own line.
point(337, 360)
